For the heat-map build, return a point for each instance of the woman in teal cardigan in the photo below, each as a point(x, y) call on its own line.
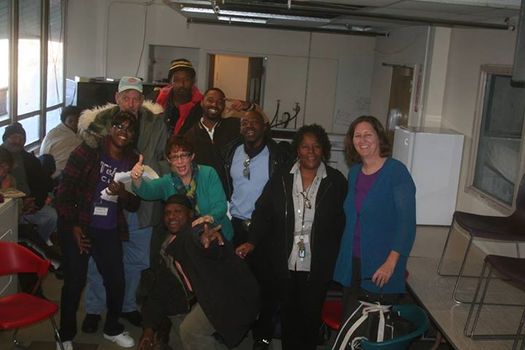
point(200, 183)
point(380, 218)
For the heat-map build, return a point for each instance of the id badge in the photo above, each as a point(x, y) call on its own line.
point(101, 211)
point(301, 245)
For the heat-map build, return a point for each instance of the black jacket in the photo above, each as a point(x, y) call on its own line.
point(272, 227)
point(208, 152)
point(38, 182)
point(279, 157)
point(223, 285)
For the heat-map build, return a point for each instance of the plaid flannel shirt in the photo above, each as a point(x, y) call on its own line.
point(77, 189)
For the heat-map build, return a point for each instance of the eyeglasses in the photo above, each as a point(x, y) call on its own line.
point(246, 170)
point(179, 156)
point(307, 202)
point(123, 127)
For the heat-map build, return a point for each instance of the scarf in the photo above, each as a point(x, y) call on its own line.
point(189, 190)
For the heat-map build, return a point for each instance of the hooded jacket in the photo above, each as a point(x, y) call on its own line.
point(77, 189)
point(152, 135)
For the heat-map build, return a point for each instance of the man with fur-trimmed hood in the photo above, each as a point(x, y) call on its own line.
point(152, 135)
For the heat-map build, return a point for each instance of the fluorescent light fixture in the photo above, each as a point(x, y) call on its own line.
point(241, 19)
point(245, 14)
point(197, 10)
point(274, 16)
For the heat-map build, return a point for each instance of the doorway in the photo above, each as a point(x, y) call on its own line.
point(400, 97)
point(240, 77)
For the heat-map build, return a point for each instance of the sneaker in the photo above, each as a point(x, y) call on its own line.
point(133, 317)
point(90, 323)
point(68, 345)
point(261, 344)
point(123, 339)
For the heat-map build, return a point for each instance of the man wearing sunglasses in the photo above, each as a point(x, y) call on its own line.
point(249, 162)
point(152, 135)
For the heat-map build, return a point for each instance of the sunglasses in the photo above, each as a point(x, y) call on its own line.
point(122, 127)
point(246, 170)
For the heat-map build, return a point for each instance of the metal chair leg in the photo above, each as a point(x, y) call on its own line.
point(518, 334)
point(15, 341)
point(474, 303)
point(57, 334)
point(481, 301)
point(460, 274)
point(440, 265)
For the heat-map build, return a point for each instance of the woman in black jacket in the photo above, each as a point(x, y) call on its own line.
point(295, 233)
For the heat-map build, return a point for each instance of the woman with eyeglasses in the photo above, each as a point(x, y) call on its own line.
point(200, 183)
point(380, 219)
point(91, 222)
point(295, 232)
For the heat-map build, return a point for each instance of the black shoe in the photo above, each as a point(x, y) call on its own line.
point(261, 344)
point(133, 317)
point(90, 324)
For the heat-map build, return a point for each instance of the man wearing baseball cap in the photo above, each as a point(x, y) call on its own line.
point(181, 98)
point(152, 135)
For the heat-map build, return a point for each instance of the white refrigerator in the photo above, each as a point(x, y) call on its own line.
point(433, 157)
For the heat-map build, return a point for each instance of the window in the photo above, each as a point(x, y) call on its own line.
point(31, 61)
point(498, 136)
point(4, 60)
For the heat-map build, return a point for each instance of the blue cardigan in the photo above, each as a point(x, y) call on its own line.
point(210, 195)
point(388, 222)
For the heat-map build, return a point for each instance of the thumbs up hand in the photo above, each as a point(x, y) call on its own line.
point(137, 171)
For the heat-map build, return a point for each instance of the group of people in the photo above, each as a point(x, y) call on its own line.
point(241, 233)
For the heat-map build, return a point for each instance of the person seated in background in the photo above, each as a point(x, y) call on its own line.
point(30, 179)
point(62, 139)
point(207, 290)
point(6, 164)
point(199, 182)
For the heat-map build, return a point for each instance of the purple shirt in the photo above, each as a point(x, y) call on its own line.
point(108, 168)
point(363, 184)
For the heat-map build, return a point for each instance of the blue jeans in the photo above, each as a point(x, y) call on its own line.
point(136, 259)
point(45, 219)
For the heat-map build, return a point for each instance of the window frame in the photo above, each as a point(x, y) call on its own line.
point(485, 71)
point(44, 58)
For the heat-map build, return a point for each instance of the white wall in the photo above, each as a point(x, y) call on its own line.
point(332, 70)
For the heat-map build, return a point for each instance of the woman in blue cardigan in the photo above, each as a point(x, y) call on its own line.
point(380, 213)
point(200, 183)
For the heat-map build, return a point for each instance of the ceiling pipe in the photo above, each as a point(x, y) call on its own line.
point(284, 27)
point(326, 10)
point(353, 12)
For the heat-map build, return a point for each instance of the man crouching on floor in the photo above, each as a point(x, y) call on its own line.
point(208, 292)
